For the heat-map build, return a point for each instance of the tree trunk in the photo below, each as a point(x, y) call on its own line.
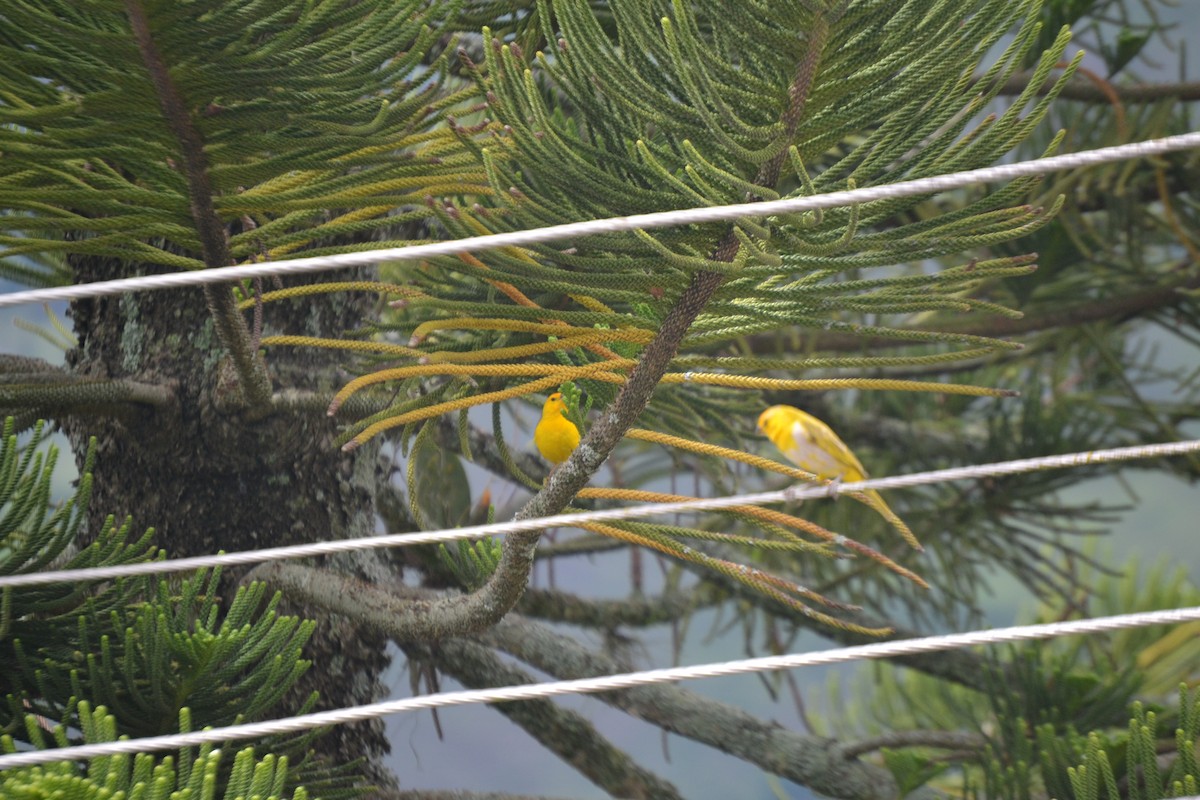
point(208, 478)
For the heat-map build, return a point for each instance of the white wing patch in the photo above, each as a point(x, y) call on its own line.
point(808, 456)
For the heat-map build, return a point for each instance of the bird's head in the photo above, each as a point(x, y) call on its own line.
point(772, 420)
point(554, 405)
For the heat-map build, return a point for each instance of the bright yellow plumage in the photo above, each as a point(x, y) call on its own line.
point(813, 446)
point(556, 436)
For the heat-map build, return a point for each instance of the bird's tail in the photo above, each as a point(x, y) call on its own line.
point(875, 501)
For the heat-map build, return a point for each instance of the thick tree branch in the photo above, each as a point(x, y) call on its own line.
point(563, 732)
point(946, 740)
point(300, 401)
point(485, 452)
point(451, 794)
point(84, 396)
point(813, 761)
point(14, 364)
point(959, 666)
point(1089, 92)
point(230, 326)
point(585, 545)
point(1117, 309)
point(607, 614)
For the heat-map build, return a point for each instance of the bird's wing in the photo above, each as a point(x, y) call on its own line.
point(806, 453)
point(828, 455)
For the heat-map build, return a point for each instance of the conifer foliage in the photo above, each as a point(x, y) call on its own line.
point(134, 657)
point(139, 136)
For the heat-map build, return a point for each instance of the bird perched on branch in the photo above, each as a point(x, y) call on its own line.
point(811, 445)
point(556, 436)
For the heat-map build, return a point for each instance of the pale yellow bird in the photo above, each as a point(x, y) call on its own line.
point(812, 446)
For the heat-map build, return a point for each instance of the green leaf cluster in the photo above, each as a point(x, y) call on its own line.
point(175, 650)
point(143, 776)
point(472, 563)
point(149, 654)
point(293, 123)
point(34, 535)
point(1140, 760)
point(663, 105)
point(684, 112)
point(1047, 708)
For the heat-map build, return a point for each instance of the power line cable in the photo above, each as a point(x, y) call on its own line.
point(555, 233)
point(663, 219)
point(791, 494)
point(878, 650)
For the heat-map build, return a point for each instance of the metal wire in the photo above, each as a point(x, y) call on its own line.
point(608, 683)
point(879, 650)
point(929, 185)
point(790, 494)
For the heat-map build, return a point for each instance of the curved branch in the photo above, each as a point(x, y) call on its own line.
point(502, 591)
point(814, 761)
point(458, 615)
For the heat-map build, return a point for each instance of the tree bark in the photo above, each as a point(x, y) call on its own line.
point(208, 478)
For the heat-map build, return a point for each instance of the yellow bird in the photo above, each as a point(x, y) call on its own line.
point(811, 445)
point(556, 436)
